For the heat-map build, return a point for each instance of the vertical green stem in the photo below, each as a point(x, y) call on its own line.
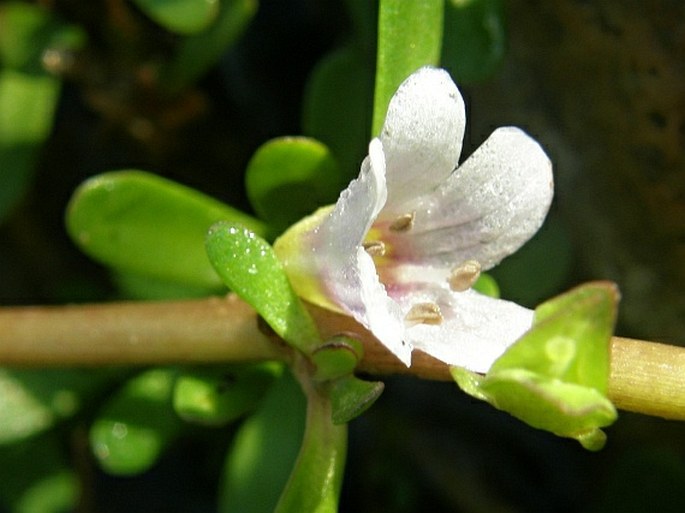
point(409, 36)
point(315, 482)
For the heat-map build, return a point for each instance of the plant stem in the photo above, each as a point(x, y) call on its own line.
point(646, 377)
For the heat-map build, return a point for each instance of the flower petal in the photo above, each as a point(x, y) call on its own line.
point(327, 265)
point(422, 135)
point(475, 329)
point(487, 209)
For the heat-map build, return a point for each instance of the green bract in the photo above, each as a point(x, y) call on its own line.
point(138, 222)
point(248, 265)
point(555, 377)
point(290, 177)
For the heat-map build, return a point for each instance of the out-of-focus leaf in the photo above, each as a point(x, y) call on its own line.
point(337, 107)
point(141, 223)
point(555, 377)
point(34, 400)
point(28, 94)
point(27, 105)
point(181, 16)
point(218, 396)
point(487, 285)
point(264, 451)
point(290, 177)
point(248, 265)
point(140, 286)
point(44, 484)
point(474, 41)
point(137, 423)
point(409, 36)
point(201, 51)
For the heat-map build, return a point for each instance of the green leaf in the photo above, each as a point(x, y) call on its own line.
point(34, 400)
point(475, 38)
point(336, 357)
point(181, 16)
point(27, 106)
point(555, 377)
point(218, 396)
point(45, 483)
point(337, 106)
point(198, 53)
point(315, 482)
point(409, 37)
point(248, 265)
point(138, 222)
point(264, 451)
point(136, 424)
point(351, 396)
point(290, 177)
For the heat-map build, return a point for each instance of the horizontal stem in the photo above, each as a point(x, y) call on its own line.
point(646, 377)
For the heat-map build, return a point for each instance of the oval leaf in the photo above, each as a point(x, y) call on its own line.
point(138, 222)
point(289, 178)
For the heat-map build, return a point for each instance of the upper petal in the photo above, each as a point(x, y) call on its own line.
point(487, 209)
point(422, 135)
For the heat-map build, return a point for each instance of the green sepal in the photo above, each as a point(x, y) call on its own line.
point(183, 17)
point(351, 396)
point(138, 222)
point(264, 451)
point(217, 396)
point(409, 37)
point(336, 357)
point(290, 177)
point(555, 377)
point(474, 41)
point(35, 400)
point(248, 265)
point(137, 423)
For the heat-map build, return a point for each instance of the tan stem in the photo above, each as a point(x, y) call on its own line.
point(646, 377)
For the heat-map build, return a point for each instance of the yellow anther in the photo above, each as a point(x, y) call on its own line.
point(374, 247)
point(424, 313)
point(464, 275)
point(403, 223)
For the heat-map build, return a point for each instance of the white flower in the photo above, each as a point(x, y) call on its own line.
point(406, 240)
